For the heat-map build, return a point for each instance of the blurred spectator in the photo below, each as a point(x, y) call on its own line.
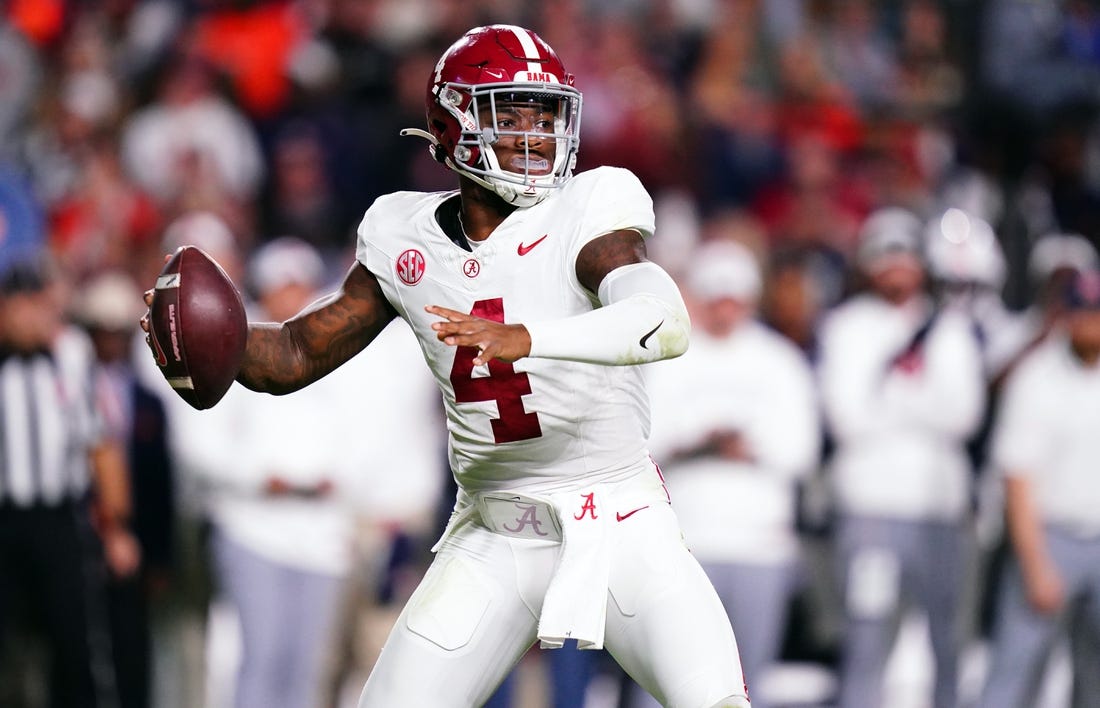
point(1055, 259)
point(302, 197)
point(86, 104)
point(1035, 51)
point(929, 79)
point(209, 232)
point(968, 270)
point(902, 388)
point(1062, 170)
point(731, 115)
point(1081, 31)
point(860, 54)
point(181, 641)
point(631, 113)
point(348, 28)
point(900, 164)
point(735, 428)
point(810, 102)
point(569, 674)
point(98, 218)
point(408, 165)
point(793, 302)
point(255, 43)
point(42, 21)
point(815, 205)
point(191, 148)
point(61, 476)
point(108, 307)
point(104, 222)
point(276, 476)
point(138, 34)
point(22, 228)
point(397, 455)
point(1045, 447)
point(18, 93)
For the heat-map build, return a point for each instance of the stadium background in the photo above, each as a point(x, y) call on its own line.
point(782, 122)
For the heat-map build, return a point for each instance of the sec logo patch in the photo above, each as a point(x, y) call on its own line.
point(410, 266)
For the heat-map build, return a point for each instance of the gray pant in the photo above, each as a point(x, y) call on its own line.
point(929, 569)
point(287, 626)
point(1023, 638)
point(756, 599)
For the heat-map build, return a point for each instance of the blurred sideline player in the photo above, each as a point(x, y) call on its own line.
point(902, 389)
point(735, 422)
point(285, 482)
point(62, 476)
point(562, 527)
point(1045, 448)
point(107, 306)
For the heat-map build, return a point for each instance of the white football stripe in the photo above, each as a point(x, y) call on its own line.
point(169, 281)
point(530, 50)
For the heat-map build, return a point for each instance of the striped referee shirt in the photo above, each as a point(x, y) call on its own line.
point(48, 423)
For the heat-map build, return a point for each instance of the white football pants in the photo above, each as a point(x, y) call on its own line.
point(476, 612)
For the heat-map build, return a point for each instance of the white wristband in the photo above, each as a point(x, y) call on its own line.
point(643, 319)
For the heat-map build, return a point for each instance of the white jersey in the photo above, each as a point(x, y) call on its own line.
point(900, 423)
point(758, 383)
point(1046, 433)
point(536, 424)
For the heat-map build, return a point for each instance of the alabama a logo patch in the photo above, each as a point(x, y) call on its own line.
point(410, 266)
point(471, 268)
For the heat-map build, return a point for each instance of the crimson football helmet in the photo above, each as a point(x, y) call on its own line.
point(476, 78)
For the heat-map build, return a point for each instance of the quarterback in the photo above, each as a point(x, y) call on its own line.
point(533, 301)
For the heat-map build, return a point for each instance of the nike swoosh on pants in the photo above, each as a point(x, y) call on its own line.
point(627, 515)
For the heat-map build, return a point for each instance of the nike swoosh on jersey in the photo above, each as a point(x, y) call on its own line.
point(649, 334)
point(627, 515)
point(523, 250)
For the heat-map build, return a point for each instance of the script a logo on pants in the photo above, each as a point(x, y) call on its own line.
point(530, 518)
point(589, 507)
point(410, 266)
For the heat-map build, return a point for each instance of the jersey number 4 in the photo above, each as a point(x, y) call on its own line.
point(504, 384)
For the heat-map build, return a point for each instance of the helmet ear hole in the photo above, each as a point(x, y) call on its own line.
point(438, 151)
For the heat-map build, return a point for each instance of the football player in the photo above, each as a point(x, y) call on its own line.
point(533, 301)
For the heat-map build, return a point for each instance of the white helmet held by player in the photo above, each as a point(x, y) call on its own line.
point(963, 250)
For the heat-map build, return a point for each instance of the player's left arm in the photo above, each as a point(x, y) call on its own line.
point(642, 317)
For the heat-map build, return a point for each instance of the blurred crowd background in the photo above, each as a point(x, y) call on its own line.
point(790, 146)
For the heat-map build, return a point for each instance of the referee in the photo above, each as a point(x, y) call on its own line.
point(57, 473)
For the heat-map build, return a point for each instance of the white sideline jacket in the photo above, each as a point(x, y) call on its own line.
point(900, 432)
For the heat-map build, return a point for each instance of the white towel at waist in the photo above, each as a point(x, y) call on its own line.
point(575, 605)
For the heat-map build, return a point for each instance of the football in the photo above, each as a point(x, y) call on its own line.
point(197, 327)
